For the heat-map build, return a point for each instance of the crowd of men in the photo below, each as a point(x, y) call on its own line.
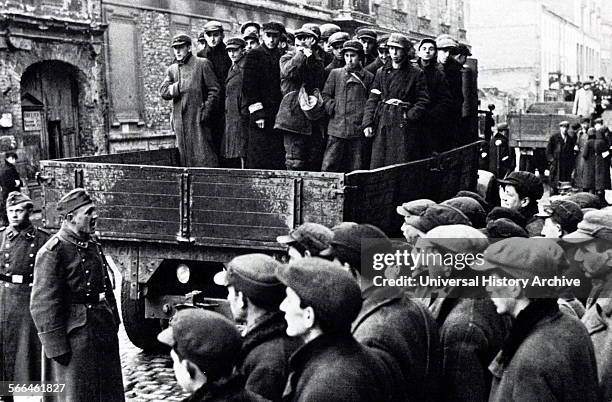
point(315, 98)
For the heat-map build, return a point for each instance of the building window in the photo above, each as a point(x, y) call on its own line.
point(362, 6)
point(424, 9)
point(446, 12)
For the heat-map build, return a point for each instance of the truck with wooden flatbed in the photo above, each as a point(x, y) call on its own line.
point(169, 229)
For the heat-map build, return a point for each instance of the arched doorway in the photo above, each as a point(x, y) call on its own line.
point(54, 84)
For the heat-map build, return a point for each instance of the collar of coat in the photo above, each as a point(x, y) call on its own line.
point(405, 65)
point(269, 326)
point(218, 390)
point(374, 298)
point(71, 237)
point(315, 347)
point(28, 232)
point(185, 59)
point(527, 320)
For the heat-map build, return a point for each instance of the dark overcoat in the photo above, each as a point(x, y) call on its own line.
point(261, 86)
point(235, 136)
point(561, 157)
point(396, 128)
point(392, 324)
point(334, 369)
point(9, 180)
point(435, 121)
point(471, 334)
point(598, 322)
point(502, 158)
point(264, 358)
point(453, 72)
point(585, 168)
point(20, 357)
point(555, 362)
point(194, 90)
point(599, 149)
point(75, 312)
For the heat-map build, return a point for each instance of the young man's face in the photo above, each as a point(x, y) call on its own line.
point(17, 214)
point(551, 229)
point(181, 373)
point(427, 51)
point(83, 220)
point(351, 59)
point(443, 55)
point(236, 302)
point(251, 43)
point(235, 53)
point(502, 297)
point(509, 198)
point(295, 316)
point(368, 44)
point(397, 54)
point(12, 160)
point(383, 53)
point(213, 39)
point(595, 258)
point(181, 51)
point(271, 39)
point(563, 130)
point(461, 59)
point(337, 50)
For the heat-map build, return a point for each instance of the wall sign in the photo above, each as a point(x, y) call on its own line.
point(32, 121)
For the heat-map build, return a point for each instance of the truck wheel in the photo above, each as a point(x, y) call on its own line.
point(141, 331)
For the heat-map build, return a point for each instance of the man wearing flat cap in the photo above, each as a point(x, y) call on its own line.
point(502, 159)
point(327, 30)
point(262, 93)
point(592, 243)
point(20, 358)
point(335, 41)
point(447, 48)
point(560, 155)
point(561, 217)
point(307, 240)
point(434, 136)
point(382, 52)
point(254, 295)
point(193, 88)
point(368, 37)
point(393, 113)
point(520, 191)
point(250, 28)
point(205, 348)
point(300, 68)
point(547, 354)
point(74, 308)
point(322, 300)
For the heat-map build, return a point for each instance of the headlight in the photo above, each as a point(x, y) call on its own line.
point(183, 273)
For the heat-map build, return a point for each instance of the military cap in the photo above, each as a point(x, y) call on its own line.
point(503, 212)
point(273, 27)
point(337, 37)
point(330, 290)
point(312, 236)
point(314, 28)
point(235, 43)
point(305, 32)
point(353, 45)
point(427, 40)
point(255, 276)
point(564, 123)
point(213, 26)
point(399, 40)
point(180, 40)
point(72, 201)
point(416, 207)
point(247, 24)
point(527, 184)
point(16, 198)
point(206, 338)
point(594, 224)
point(471, 208)
point(502, 127)
point(585, 200)
point(503, 228)
point(445, 41)
point(483, 203)
point(565, 212)
point(524, 258)
point(457, 239)
point(327, 30)
point(437, 215)
point(463, 50)
point(366, 33)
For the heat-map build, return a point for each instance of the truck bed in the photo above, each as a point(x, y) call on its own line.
point(144, 196)
point(532, 130)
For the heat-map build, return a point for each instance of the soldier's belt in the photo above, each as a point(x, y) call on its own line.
point(17, 279)
point(93, 298)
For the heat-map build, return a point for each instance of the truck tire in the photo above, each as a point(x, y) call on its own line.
point(141, 331)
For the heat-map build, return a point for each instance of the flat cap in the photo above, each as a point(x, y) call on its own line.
point(313, 27)
point(181, 39)
point(502, 126)
point(564, 123)
point(213, 26)
point(504, 228)
point(16, 198)
point(72, 201)
point(327, 30)
point(366, 33)
point(255, 276)
point(427, 40)
point(209, 340)
point(463, 50)
point(438, 215)
point(235, 43)
point(415, 207)
point(399, 40)
point(351, 235)
point(445, 41)
point(598, 120)
point(338, 37)
point(251, 35)
point(312, 236)
point(526, 183)
point(503, 212)
point(471, 208)
point(248, 24)
point(353, 45)
point(524, 258)
point(480, 199)
point(457, 239)
point(273, 27)
point(566, 213)
point(330, 290)
point(594, 224)
point(585, 200)
point(305, 32)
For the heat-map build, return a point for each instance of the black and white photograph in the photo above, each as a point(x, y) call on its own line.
point(306, 200)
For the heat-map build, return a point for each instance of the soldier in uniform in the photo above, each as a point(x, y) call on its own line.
point(74, 308)
point(19, 344)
